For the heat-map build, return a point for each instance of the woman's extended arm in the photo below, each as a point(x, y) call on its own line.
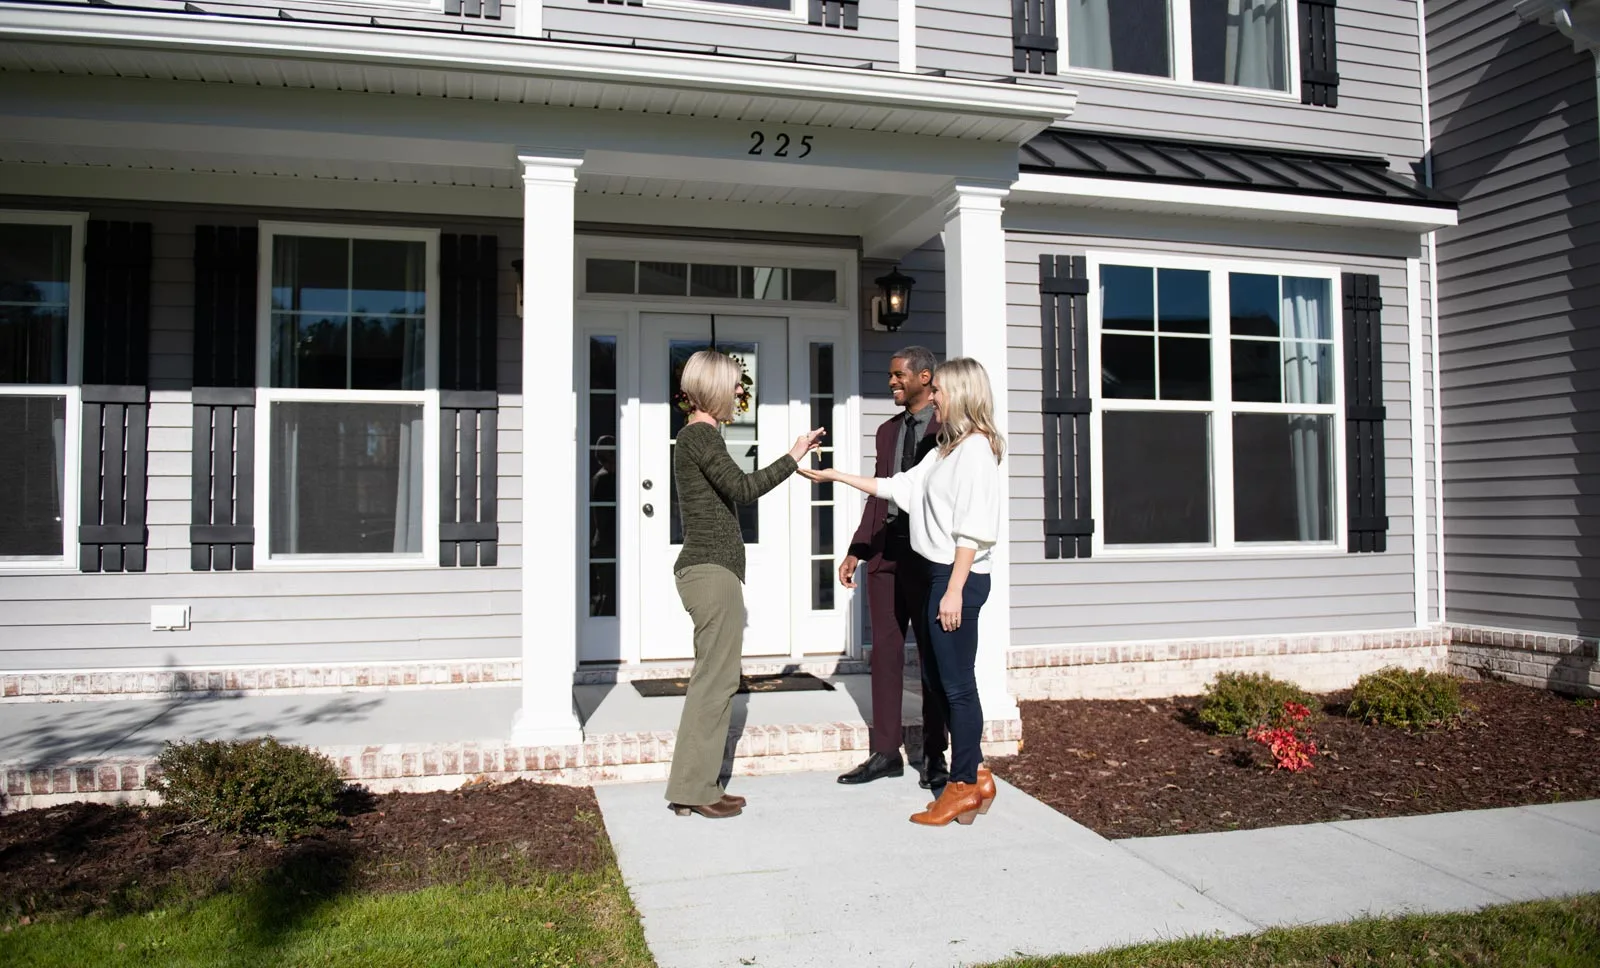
point(868, 485)
point(741, 488)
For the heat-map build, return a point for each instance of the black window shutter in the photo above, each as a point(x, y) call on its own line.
point(1363, 413)
point(480, 9)
point(1319, 53)
point(223, 453)
point(1064, 311)
point(469, 275)
point(845, 14)
point(116, 402)
point(1033, 30)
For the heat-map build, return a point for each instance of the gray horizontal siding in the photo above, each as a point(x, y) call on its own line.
point(1380, 97)
point(381, 14)
point(874, 42)
point(1103, 599)
point(1517, 140)
point(75, 621)
point(963, 37)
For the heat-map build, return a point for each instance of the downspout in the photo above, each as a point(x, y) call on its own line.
point(1433, 313)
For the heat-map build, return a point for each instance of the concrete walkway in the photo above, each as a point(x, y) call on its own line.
point(815, 874)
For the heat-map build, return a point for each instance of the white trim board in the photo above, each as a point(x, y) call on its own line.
point(1029, 107)
point(1033, 188)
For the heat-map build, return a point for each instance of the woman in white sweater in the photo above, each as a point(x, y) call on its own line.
point(952, 502)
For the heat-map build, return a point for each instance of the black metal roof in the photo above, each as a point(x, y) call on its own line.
point(1092, 155)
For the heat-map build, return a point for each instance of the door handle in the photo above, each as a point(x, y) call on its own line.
point(647, 485)
point(649, 510)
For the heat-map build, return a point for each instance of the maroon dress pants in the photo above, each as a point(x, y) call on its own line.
point(897, 597)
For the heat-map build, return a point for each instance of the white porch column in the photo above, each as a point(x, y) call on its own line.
point(975, 321)
point(549, 447)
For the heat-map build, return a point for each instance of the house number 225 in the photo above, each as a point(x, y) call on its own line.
point(781, 144)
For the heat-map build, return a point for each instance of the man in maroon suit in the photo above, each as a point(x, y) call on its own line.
point(897, 582)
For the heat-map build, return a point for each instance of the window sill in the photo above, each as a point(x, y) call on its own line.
point(1165, 85)
point(417, 563)
point(1267, 553)
point(729, 10)
point(37, 566)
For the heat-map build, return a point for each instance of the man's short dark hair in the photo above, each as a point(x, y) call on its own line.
point(918, 358)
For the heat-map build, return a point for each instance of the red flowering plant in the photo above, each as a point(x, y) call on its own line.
point(1290, 750)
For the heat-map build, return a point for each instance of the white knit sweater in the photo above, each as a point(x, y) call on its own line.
point(950, 502)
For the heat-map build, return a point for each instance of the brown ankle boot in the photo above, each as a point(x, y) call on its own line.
point(729, 798)
point(960, 802)
point(986, 787)
point(720, 810)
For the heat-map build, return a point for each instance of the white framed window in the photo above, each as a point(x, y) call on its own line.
point(1242, 44)
point(791, 10)
point(41, 338)
point(1217, 420)
point(348, 376)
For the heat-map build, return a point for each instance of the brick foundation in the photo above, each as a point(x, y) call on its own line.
point(1143, 670)
point(1561, 663)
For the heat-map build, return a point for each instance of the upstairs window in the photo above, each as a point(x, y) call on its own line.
point(1240, 43)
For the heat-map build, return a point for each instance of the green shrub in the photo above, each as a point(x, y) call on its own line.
point(1236, 701)
point(257, 786)
point(1405, 697)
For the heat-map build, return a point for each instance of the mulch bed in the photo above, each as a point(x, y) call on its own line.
point(1148, 767)
point(86, 857)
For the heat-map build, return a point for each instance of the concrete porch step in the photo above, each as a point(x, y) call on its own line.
point(413, 741)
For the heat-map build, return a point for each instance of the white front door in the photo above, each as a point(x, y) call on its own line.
point(755, 439)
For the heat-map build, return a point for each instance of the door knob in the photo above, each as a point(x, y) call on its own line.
point(649, 510)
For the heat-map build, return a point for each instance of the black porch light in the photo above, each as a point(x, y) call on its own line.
point(893, 304)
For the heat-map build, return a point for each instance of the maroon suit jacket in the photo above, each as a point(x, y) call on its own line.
point(869, 537)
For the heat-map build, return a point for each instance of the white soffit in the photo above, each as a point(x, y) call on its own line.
point(1135, 196)
point(79, 40)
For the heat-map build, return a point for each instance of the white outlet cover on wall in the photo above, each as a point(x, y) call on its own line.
point(169, 618)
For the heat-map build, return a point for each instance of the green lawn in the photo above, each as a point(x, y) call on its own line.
point(283, 922)
point(1543, 934)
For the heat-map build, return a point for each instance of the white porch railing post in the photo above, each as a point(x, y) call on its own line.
point(975, 320)
point(549, 447)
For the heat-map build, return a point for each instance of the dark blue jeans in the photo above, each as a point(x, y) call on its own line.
point(955, 656)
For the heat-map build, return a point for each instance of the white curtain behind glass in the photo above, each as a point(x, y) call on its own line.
point(408, 493)
point(1255, 44)
point(1089, 34)
point(1305, 314)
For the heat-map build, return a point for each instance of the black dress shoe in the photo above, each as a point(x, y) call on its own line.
point(877, 766)
point(935, 773)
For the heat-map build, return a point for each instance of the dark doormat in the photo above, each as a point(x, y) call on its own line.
point(788, 682)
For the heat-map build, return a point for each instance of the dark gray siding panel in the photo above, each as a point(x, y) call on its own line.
point(262, 617)
point(1517, 140)
point(874, 40)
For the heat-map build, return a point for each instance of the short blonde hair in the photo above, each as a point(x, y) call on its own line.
point(967, 405)
point(708, 381)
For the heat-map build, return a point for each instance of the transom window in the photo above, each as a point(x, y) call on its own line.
point(1218, 404)
point(350, 327)
point(1243, 43)
point(630, 277)
point(40, 292)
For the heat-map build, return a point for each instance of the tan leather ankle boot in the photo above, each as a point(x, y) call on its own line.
point(959, 802)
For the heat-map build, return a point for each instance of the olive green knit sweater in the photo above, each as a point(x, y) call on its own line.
point(709, 485)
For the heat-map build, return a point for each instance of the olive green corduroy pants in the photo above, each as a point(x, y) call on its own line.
point(714, 598)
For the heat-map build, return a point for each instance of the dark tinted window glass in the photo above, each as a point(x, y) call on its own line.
point(1127, 298)
point(33, 438)
point(35, 288)
point(1185, 368)
point(717, 282)
point(1257, 371)
point(310, 274)
point(1119, 35)
point(1185, 301)
point(386, 353)
point(602, 362)
point(1253, 303)
point(1240, 43)
point(663, 278)
point(813, 285)
point(1283, 477)
point(33, 344)
point(1157, 478)
point(1128, 367)
point(608, 276)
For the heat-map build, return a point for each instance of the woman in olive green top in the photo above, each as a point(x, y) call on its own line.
point(710, 571)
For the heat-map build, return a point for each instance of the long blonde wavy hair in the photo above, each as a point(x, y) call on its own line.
point(966, 405)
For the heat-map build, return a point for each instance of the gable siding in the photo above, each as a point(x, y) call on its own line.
point(1107, 600)
point(1517, 140)
point(1380, 97)
point(415, 16)
point(68, 621)
point(967, 37)
point(874, 42)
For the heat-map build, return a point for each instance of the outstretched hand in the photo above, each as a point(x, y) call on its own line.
point(806, 443)
point(820, 475)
